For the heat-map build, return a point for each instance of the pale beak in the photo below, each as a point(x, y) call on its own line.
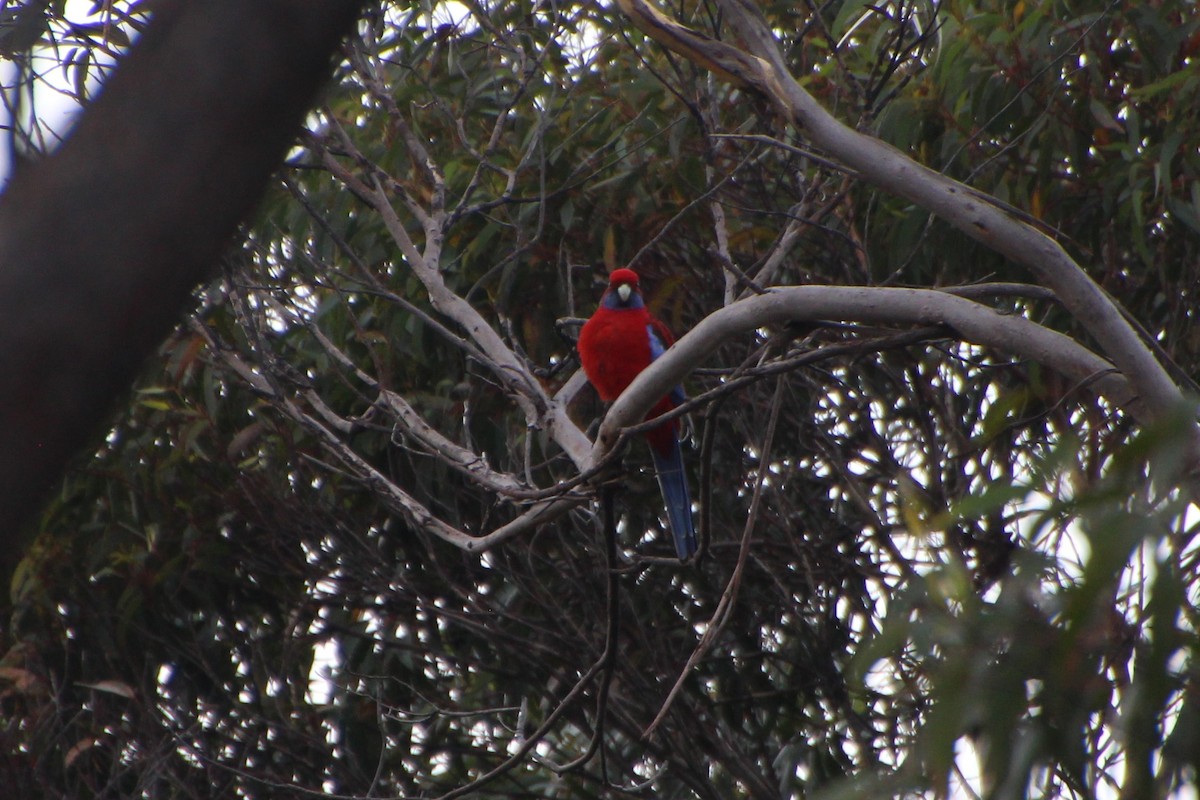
point(624, 291)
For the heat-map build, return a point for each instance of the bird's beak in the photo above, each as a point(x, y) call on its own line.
point(624, 291)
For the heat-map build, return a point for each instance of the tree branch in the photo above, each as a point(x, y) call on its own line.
point(761, 66)
point(102, 243)
point(973, 322)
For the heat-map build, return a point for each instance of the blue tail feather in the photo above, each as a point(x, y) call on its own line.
point(672, 480)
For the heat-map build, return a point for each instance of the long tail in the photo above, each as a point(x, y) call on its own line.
point(668, 465)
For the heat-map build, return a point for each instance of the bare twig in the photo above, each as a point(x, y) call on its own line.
point(729, 597)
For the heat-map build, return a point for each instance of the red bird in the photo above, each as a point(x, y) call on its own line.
point(618, 342)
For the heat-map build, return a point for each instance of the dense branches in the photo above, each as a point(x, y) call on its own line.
point(346, 538)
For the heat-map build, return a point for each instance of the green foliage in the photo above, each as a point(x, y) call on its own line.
point(1080, 640)
point(952, 554)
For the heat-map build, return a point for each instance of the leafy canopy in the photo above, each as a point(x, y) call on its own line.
point(929, 566)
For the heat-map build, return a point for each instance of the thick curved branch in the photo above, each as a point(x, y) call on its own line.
point(102, 243)
point(971, 321)
point(760, 65)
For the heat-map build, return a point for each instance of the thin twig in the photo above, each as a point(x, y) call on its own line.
point(729, 596)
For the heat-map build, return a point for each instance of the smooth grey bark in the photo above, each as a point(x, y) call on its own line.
point(970, 321)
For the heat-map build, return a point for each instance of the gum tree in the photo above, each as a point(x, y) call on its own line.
point(364, 529)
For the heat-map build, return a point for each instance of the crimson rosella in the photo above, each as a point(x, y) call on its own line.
point(618, 342)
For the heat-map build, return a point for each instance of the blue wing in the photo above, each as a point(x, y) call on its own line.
point(657, 348)
point(672, 480)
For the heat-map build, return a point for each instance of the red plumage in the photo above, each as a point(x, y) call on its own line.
point(615, 346)
point(618, 342)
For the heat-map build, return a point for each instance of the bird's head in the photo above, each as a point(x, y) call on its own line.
point(624, 284)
